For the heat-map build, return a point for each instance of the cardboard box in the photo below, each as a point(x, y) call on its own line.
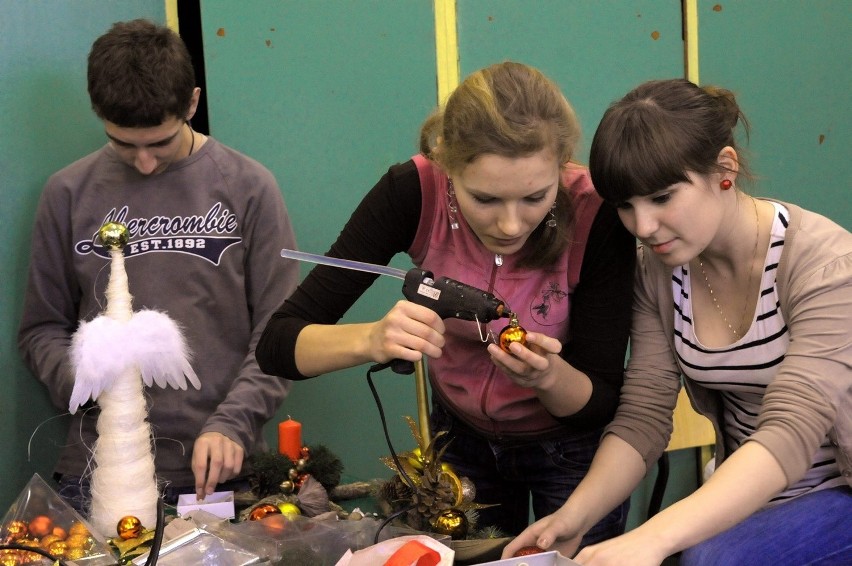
point(552, 558)
point(218, 503)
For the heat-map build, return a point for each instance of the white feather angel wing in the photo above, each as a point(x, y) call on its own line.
point(104, 348)
point(163, 355)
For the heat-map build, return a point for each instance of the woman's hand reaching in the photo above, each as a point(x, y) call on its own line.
point(554, 532)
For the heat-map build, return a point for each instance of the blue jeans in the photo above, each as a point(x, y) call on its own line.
point(76, 491)
point(507, 472)
point(814, 529)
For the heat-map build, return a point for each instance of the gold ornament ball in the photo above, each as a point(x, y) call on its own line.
point(289, 509)
point(129, 527)
point(286, 486)
point(512, 333)
point(78, 529)
point(79, 541)
point(451, 522)
point(58, 548)
point(9, 557)
point(47, 540)
point(114, 235)
point(16, 530)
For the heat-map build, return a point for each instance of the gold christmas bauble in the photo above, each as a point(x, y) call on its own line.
point(78, 529)
point(451, 522)
point(129, 527)
point(9, 557)
point(79, 541)
point(58, 548)
point(16, 530)
point(288, 508)
point(114, 235)
point(512, 333)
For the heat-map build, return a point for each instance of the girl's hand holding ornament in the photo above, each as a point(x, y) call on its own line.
point(528, 364)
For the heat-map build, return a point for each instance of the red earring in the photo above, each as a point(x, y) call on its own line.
point(726, 184)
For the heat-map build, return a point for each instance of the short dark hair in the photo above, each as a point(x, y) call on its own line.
point(140, 74)
point(649, 139)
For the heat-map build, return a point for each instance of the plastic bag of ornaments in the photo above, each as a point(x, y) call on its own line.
point(41, 520)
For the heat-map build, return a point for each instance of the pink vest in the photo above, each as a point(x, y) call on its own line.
point(464, 377)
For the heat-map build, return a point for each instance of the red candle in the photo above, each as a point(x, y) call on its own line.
point(290, 439)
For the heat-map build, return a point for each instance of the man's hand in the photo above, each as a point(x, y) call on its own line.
point(215, 459)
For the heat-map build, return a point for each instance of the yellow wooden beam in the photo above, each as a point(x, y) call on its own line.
point(172, 15)
point(446, 48)
point(690, 16)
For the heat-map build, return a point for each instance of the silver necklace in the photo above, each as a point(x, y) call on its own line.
point(733, 330)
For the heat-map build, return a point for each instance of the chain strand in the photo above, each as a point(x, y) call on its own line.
point(735, 331)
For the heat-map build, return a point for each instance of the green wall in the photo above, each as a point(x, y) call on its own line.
point(329, 93)
point(45, 124)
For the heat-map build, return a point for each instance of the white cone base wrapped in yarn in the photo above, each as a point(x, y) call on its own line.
point(112, 356)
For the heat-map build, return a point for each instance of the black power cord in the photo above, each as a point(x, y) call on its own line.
point(398, 366)
point(157, 542)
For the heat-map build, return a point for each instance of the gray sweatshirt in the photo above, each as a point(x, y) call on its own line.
point(205, 241)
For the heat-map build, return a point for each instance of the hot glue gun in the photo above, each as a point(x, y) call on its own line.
point(447, 297)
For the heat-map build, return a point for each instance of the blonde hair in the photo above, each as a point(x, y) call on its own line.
point(511, 110)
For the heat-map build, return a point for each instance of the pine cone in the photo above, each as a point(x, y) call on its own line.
point(434, 494)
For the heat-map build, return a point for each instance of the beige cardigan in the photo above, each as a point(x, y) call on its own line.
point(810, 395)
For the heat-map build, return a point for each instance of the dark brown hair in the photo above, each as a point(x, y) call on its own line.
point(140, 74)
point(658, 132)
point(511, 110)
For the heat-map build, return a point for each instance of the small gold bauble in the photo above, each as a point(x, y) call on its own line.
point(47, 540)
point(289, 509)
point(79, 541)
point(58, 548)
point(512, 333)
point(129, 527)
point(114, 235)
point(451, 522)
point(78, 529)
point(9, 557)
point(286, 486)
point(16, 530)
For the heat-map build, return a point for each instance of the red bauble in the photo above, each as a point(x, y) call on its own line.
point(262, 511)
point(527, 550)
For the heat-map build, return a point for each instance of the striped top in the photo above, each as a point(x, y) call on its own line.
point(742, 371)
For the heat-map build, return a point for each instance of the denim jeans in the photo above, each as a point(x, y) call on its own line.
point(509, 472)
point(814, 529)
point(76, 491)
